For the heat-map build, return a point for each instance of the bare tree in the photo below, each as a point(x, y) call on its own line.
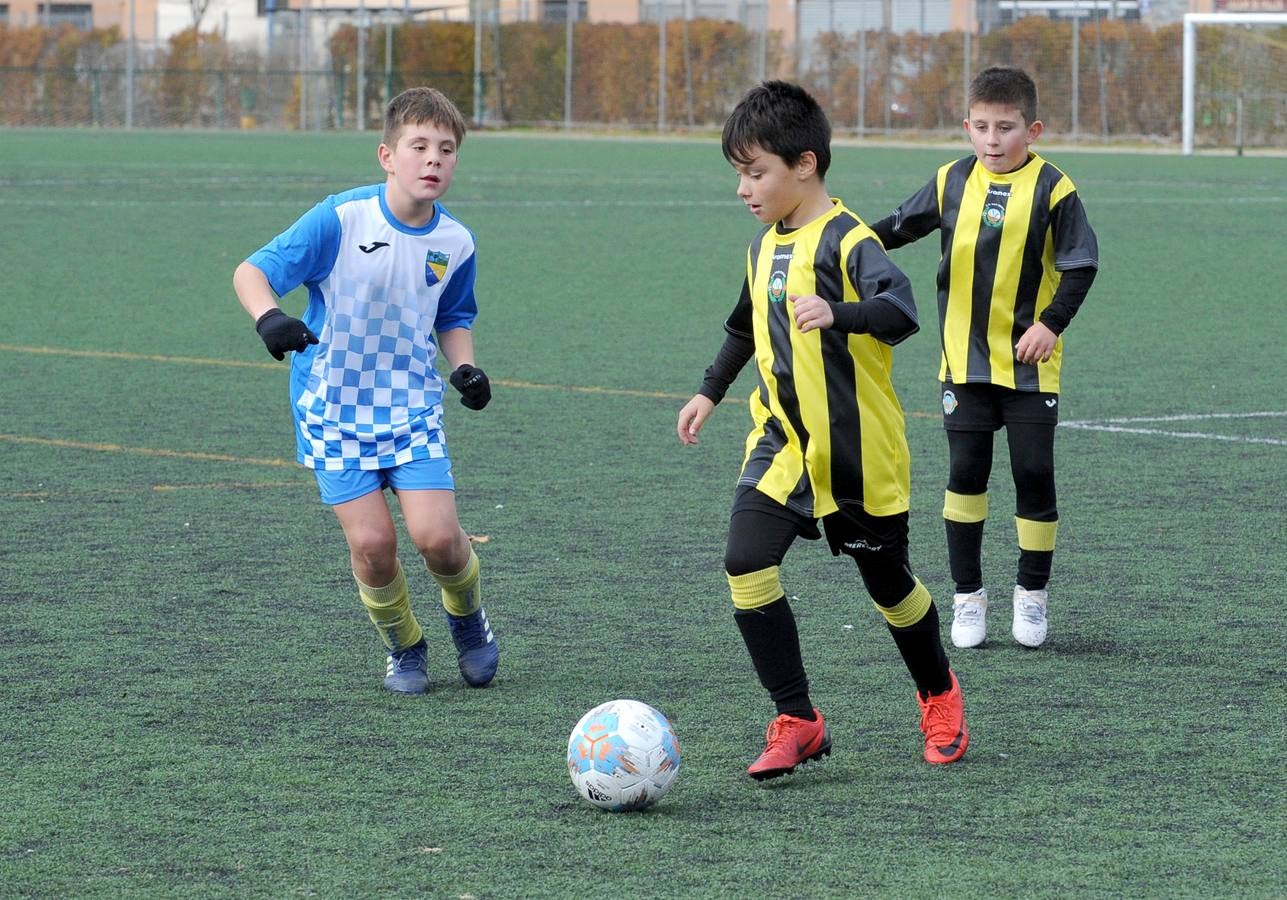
point(198, 8)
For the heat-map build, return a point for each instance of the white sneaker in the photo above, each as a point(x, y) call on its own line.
point(969, 618)
point(1030, 616)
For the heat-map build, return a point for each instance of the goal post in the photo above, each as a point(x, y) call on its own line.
point(1191, 23)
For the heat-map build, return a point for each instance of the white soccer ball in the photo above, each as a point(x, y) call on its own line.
point(623, 755)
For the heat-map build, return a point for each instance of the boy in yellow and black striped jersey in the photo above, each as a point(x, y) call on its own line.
point(820, 307)
point(1018, 256)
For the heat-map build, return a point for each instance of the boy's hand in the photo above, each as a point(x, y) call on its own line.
point(281, 333)
point(692, 417)
point(812, 312)
point(471, 381)
point(1036, 345)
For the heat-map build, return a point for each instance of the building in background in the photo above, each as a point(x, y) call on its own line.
point(260, 22)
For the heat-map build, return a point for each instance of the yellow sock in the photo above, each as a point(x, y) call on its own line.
point(461, 593)
point(756, 589)
point(910, 610)
point(390, 610)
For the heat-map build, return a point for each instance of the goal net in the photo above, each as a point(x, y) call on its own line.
point(1235, 80)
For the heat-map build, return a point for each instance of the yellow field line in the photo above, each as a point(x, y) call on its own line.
point(137, 357)
point(143, 451)
point(154, 488)
point(242, 364)
point(199, 456)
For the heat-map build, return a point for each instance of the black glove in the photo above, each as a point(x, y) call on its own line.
point(475, 389)
point(281, 333)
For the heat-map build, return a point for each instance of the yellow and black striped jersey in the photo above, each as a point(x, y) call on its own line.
point(1005, 240)
point(828, 426)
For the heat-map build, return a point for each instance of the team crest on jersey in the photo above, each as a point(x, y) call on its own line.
point(994, 215)
point(436, 266)
point(777, 287)
point(949, 403)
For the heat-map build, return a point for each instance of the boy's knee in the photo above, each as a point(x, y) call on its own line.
point(744, 559)
point(373, 548)
point(968, 476)
point(444, 550)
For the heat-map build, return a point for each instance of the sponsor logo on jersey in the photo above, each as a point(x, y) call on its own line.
point(436, 266)
point(1051, 402)
point(949, 403)
point(994, 215)
point(777, 287)
point(372, 247)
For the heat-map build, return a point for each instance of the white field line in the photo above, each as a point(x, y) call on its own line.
point(1122, 426)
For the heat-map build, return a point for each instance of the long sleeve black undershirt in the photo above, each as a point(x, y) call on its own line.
point(1074, 284)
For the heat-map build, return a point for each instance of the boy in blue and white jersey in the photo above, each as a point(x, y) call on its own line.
point(387, 268)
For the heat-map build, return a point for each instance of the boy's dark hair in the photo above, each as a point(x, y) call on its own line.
point(421, 104)
point(781, 118)
point(1007, 86)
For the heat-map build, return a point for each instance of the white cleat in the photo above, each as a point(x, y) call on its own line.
point(1030, 616)
point(969, 618)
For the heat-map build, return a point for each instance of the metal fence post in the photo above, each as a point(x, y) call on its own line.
point(568, 60)
point(1076, 70)
point(661, 66)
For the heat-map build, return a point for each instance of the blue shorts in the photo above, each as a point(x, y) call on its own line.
point(418, 475)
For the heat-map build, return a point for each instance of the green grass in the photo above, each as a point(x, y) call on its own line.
point(190, 701)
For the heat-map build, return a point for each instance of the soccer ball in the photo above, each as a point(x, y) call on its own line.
point(623, 755)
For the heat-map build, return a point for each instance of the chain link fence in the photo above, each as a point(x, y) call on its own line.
point(879, 68)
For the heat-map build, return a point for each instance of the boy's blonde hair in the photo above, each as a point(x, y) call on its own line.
point(1006, 86)
point(421, 104)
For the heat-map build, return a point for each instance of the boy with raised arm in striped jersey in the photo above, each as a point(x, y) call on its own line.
point(820, 309)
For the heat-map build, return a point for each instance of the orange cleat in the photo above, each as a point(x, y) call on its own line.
point(943, 723)
point(792, 742)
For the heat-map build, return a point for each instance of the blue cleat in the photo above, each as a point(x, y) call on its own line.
point(408, 670)
point(476, 650)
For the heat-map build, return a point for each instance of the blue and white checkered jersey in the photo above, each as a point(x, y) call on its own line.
point(368, 395)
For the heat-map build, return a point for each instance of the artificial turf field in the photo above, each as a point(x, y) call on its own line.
point(190, 699)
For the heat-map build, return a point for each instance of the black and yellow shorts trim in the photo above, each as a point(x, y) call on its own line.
point(989, 407)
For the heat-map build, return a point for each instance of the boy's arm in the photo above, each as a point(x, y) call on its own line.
point(457, 309)
point(887, 307)
point(305, 252)
point(280, 333)
point(915, 217)
point(1076, 257)
point(736, 352)
point(1074, 284)
point(457, 345)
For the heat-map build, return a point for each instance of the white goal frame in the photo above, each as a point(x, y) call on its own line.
point(1191, 23)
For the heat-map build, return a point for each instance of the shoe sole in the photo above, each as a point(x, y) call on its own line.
point(979, 643)
point(767, 774)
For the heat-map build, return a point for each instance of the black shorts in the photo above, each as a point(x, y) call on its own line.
point(988, 407)
point(851, 530)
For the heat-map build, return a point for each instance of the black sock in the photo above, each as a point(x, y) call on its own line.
point(923, 654)
point(965, 554)
point(1034, 569)
point(774, 644)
